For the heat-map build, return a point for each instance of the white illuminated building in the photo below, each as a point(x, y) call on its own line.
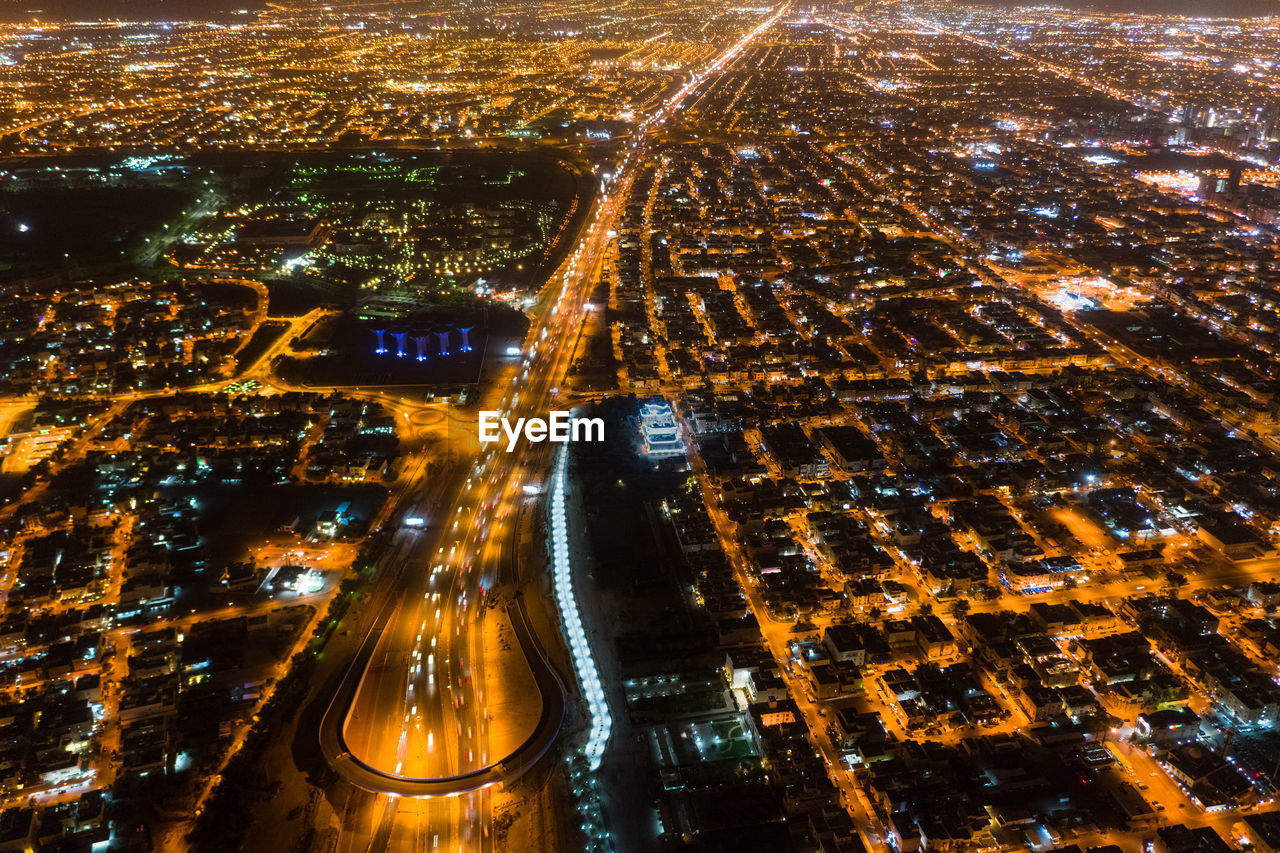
point(583, 662)
point(659, 429)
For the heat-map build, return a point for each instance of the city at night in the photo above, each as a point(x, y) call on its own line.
point(654, 426)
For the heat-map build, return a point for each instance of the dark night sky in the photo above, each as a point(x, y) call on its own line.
point(159, 10)
point(1201, 8)
point(128, 10)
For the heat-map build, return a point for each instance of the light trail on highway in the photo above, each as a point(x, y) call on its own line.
point(419, 712)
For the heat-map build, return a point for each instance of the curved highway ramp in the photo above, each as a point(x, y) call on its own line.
point(333, 743)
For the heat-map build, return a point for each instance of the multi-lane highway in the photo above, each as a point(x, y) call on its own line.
point(410, 719)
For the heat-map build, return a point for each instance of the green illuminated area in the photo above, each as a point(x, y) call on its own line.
point(398, 228)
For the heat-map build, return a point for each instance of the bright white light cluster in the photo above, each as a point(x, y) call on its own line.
point(583, 662)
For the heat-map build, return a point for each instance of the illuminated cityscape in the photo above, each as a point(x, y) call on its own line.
point(652, 426)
